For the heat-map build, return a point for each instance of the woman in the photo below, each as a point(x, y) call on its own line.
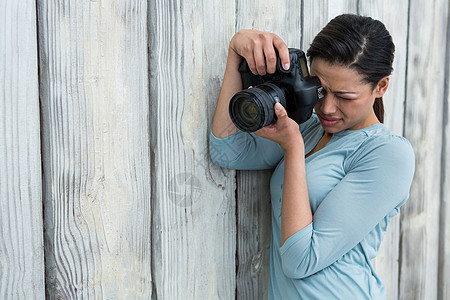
point(339, 177)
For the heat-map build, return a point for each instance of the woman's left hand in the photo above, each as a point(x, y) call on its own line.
point(284, 131)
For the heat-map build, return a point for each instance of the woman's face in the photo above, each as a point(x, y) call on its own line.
point(348, 102)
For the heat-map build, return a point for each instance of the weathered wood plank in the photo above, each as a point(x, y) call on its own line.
point(194, 210)
point(315, 17)
point(316, 14)
point(253, 195)
point(394, 14)
point(21, 228)
point(253, 234)
point(444, 234)
point(337, 7)
point(423, 127)
point(96, 161)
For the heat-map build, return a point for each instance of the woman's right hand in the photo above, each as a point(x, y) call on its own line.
point(258, 48)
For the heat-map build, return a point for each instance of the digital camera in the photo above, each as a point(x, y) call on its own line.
point(253, 108)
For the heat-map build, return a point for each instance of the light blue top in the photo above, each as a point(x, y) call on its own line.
point(356, 184)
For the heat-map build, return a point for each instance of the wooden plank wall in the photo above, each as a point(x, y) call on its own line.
point(133, 206)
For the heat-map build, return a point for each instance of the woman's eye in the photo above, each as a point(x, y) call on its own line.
point(343, 98)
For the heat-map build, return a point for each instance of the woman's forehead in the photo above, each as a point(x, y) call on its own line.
point(334, 76)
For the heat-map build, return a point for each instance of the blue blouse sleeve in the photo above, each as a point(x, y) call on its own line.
point(378, 181)
point(244, 151)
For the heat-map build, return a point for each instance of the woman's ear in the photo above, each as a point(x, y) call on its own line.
point(381, 87)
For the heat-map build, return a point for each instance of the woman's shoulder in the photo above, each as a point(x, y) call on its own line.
point(385, 147)
point(382, 137)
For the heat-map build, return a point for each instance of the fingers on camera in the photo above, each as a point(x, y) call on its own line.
point(283, 52)
point(261, 54)
point(260, 61)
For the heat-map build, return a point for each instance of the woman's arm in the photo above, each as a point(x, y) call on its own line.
point(258, 48)
point(222, 125)
point(296, 210)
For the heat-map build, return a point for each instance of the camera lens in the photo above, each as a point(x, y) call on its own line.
point(249, 110)
point(252, 109)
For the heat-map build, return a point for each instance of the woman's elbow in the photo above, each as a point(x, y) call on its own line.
point(219, 158)
point(294, 272)
point(296, 267)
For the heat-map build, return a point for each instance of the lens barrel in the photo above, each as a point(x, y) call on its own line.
point(252, 109)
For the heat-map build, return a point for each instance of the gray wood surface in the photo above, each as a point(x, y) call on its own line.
point(253, 234)
point(95, 110)
point(194, 227)
point(444, 226)
point(21, 228)
point(423, 127)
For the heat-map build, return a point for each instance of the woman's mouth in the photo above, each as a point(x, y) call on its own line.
point(328, 122)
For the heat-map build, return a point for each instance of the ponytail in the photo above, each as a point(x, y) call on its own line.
point(378, 108)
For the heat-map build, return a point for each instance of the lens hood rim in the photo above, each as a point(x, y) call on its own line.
point(263, 96)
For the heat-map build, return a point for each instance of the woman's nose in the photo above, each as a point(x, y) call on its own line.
point(328, 105)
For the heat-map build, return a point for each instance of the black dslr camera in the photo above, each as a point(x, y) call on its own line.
point(252, 109)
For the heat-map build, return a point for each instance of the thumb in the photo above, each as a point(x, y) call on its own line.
point(280, 111)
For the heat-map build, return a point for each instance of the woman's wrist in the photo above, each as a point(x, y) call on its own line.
point(234, 58)
point(234, 45)
point(294, 152)
point(294, 144)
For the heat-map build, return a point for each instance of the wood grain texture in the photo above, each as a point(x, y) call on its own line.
point(21, 228)
point(316, 14)
point(253, 194)
point(194, 209)
point(253, 234)
point(337, 7)
point(96, 156)
point(282, 18)
point(394, 15)
point(423, 127)
point(315, 17)
point(444, 226)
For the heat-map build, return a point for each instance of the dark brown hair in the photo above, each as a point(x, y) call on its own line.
point(359, 43)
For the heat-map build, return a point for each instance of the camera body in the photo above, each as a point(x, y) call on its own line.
point(252, 108)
